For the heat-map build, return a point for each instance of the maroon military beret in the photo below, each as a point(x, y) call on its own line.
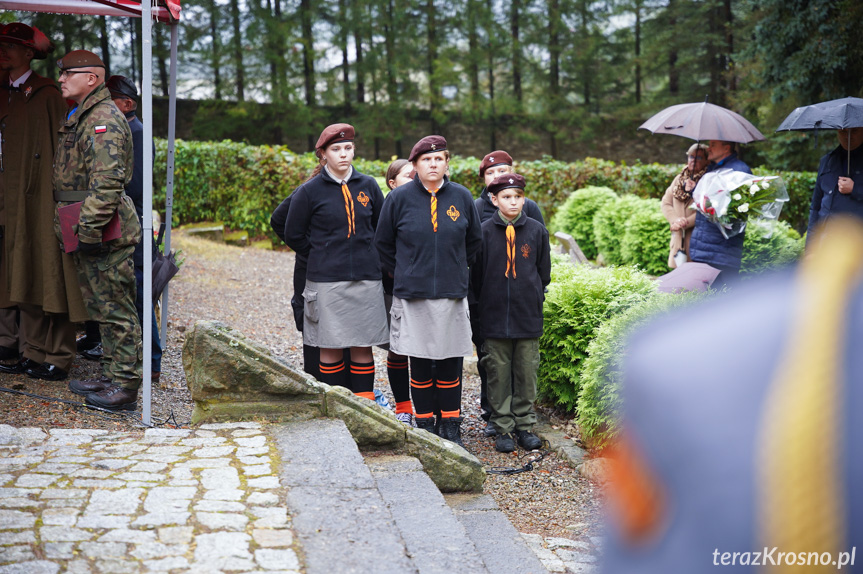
point(506, 181)
point(24, 35)
point(80, 59)
point(498, 157)
point(428, 144)
point(334, 133)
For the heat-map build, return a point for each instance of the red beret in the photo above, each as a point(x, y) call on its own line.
point(498, 157)
point(334, 133)
point(80, 59)
point(24, 35)
point(506, 181)
point(428, 144)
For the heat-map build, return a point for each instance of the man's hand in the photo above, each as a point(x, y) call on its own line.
point(846, 185)
point(91, 248)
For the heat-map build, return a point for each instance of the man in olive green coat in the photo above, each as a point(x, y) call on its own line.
point(36, 277)
point(92, 164)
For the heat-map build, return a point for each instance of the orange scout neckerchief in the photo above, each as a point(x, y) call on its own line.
point(349, 209)
point(433, 193)
point(510, 249)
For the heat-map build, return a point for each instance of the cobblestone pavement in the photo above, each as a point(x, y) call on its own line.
point(181, 501)
point(564, 555)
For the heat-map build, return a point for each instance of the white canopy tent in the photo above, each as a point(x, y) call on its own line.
point(167, 11)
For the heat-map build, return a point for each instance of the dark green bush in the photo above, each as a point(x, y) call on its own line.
point(609, 225)
point(768, 245)
point(575, 216)
point(579, 300)
point(601, 372)
point(646, 238)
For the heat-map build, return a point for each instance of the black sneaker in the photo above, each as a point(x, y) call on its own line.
point(505, 442)
point(527, 440)
point(94, 354)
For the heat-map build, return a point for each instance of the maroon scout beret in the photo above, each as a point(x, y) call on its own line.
point(332, 134)
point(24, 35)
point(80, 59)
point(506, 181)
point(428, 144)
point(498, 157)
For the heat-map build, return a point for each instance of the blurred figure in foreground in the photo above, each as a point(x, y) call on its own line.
point(745, 454)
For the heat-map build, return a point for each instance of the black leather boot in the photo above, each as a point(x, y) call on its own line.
point(450, 429)
point(426, 424)
point(114, 398)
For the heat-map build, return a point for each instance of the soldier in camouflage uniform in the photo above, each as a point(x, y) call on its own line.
point(92, 164)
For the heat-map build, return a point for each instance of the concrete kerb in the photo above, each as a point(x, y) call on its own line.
point(233, 378)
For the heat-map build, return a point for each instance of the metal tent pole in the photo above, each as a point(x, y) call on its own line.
point(169, 187)
point(147, 112)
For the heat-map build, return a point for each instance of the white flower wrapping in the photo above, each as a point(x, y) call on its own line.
point(729, 198)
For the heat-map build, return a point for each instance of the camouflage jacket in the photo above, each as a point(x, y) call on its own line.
point(93, 163)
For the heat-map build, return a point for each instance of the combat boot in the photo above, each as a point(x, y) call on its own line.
point(426, 423)
point(88, 386)
point(450, 429)
point(114, 398)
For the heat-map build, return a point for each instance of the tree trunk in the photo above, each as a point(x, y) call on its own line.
point(587, 57)
point(308, 51)
point(516, 50)
point(133, 45)
point(106, 44)
point(237, 45)
point(473, 47)
point(431, 38)
point(554, 49)
point(673, 72)
point(161, 61)
point(216, 52)
point(729, 47)
point(637, 51)
point(359, 30)
point(343, 40)
point(390, 52)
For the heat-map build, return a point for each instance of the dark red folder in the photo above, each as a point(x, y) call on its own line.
point(69, 216)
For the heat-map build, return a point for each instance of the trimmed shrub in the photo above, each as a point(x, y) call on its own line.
point(601, 372)
point(575, 216)
point(579, 300)
point(609, 225)
point(769, 244)
point(646, 238)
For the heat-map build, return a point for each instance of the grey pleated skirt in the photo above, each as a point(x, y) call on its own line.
point(344, 314)
point(430, 328)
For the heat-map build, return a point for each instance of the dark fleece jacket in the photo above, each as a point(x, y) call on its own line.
point(426, 264)
point(511, 307)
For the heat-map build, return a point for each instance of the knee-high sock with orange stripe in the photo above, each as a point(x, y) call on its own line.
point(363, 379)
point(422, 387)
point(448, 384)
point(397, 371)
point(334, 374)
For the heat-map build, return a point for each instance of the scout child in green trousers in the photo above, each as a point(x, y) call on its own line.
point(509, 281)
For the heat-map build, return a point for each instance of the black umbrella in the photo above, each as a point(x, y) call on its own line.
point(164, 269)
point(844, 113)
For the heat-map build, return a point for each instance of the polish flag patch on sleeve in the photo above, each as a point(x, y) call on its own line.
point(100, 129)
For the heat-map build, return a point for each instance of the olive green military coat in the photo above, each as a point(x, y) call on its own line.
point(37, 271)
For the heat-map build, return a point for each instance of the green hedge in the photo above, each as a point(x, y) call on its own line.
point(601, 374)
point(575, 216)
point(609, 225)
point(646, 238)
point(768, 245)
point(579, 300)
point(241, 184)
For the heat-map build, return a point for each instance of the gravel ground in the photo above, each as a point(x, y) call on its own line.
point(250, 290)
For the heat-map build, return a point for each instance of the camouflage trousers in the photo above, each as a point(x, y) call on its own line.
point(108, 288)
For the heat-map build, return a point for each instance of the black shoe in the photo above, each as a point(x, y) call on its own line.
point(85, 343)
point(94, 354)
point(505, 442)
point(489, 431)
point(427, 424)
point(527, 440)
point(450, 429)
point(89, 386)
point(114, 398)
point(47, 372)
point(18, 368)
point(8, 354)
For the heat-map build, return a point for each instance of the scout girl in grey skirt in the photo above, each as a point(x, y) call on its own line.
point(428, 235)
point(332, 220)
